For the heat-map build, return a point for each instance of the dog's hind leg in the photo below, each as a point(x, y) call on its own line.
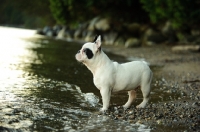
point(145, 88)
point(132, 96)
point(145, 92)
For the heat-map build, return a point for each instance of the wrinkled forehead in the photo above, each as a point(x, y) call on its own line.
point(88, 45)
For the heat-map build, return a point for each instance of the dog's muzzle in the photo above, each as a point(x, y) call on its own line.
point(78, 56)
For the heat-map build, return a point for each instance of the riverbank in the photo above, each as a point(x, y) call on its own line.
point(179, 73)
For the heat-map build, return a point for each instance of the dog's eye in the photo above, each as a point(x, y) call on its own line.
point(88, 52)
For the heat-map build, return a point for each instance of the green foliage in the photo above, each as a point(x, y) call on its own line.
point(59, 9)
point(25, 13)
point(37, 13)
point(179, 12)
point(73, 11)
point(69, 11)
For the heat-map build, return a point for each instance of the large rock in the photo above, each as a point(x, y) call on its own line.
point(46, 29)
point(78, 33)
point(132, 42)
point(109, 38)
point(40, 31)
point(168, 31)
point(194, 37)
point(81, 31)
point(69, 34)
point(56, 29)
point(50, 33)
point(185, 38)
point(91, 26)
point(183, 48)
point(90, 36)
point(195, 32)
point(65, 33)
point(134, 29)
point(61, 34)
point(143, 28)
point(103, 24)
point(120, 41)
point(153, 37)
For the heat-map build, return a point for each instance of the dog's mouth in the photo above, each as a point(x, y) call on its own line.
point(78, 57)
point(81, 61)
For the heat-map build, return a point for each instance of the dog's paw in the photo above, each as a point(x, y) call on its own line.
point(125, 107)
point(102, 110)
point(140, 106)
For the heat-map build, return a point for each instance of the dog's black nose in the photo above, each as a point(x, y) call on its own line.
point(78, 52)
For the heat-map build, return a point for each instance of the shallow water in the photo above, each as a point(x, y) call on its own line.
point(43, 87)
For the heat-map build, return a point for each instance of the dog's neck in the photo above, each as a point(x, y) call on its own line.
point(101, 60)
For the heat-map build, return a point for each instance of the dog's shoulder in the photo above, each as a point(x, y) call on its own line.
point(116, 64)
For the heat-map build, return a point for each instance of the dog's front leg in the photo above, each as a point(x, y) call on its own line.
point(105, 94)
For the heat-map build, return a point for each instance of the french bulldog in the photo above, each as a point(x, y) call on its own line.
point(109, 76)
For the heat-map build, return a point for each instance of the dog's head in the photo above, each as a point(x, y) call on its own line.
point(89, 51)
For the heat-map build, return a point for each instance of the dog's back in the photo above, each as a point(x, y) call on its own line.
point(130, 75)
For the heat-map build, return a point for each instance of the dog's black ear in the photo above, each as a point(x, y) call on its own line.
point(95, 38)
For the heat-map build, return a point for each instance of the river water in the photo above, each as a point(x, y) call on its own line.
point(43, 87)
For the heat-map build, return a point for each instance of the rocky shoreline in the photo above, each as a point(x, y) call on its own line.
point(124, 34)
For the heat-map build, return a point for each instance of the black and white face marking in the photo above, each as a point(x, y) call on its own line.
point(88, 53)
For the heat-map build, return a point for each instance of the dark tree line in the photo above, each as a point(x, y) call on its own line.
point(26, 13)
point(180, 12)
point(71, 12)
point(68, 11)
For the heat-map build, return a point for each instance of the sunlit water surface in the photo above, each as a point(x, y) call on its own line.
point(43, 87)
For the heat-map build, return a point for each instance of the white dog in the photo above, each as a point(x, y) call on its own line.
point(109, 76)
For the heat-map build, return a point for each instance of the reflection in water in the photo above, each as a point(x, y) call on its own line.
point(13, 53)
